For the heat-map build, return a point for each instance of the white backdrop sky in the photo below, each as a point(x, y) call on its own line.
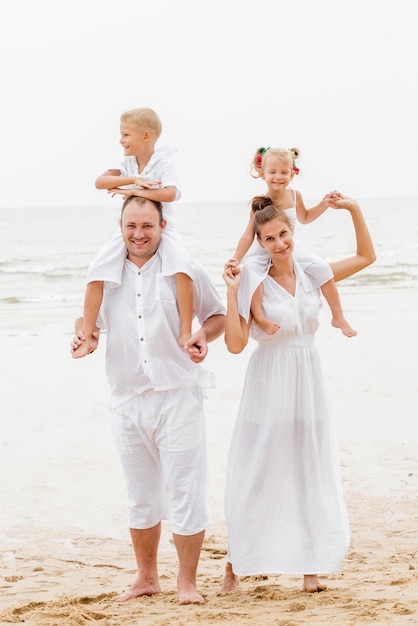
point(336, 79)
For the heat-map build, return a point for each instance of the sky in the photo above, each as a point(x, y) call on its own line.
point(338, 80)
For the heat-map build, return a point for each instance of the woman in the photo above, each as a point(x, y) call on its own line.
point(284, 505)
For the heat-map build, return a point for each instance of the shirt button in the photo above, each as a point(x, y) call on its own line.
point(139, 316)
point(138, 294)
point(139, 273)
point(142, 339)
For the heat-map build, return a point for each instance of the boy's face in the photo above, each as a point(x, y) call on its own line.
point(133, 138)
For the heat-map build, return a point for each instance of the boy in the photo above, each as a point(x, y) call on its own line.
point(145, 171)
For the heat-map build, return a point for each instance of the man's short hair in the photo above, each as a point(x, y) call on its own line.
point(141, 201)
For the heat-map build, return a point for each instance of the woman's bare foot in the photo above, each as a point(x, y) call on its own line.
point(139, 588)
point(311, 584)
point(344, 326)
point(230, 583)
point(267, 326)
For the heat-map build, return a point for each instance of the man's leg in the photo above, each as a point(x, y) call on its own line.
point(140, 466)
point(182, 445)
point(145, 545)
point(188, 550)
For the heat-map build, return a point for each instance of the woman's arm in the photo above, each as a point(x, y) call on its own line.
point(236, 328)
point(365, 254)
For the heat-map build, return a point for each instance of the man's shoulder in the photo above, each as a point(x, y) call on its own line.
point(201, 272)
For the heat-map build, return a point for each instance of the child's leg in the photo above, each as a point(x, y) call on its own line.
point(184, 293)
point(260, 319)
point(330, 293)
point(92, 301)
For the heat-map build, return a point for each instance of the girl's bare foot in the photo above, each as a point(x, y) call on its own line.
point(344, 326)
point(139, 588)
point(267, 326)
point(230, 583)
point(311, 584)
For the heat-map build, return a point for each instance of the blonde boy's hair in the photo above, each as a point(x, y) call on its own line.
point(144, 118)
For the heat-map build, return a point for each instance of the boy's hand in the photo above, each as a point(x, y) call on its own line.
point(118, 191)
point(146, 184)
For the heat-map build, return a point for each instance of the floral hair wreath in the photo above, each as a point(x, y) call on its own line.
point(259, 157)
point(295, 154)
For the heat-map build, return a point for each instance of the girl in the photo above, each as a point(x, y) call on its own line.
point(277, 166)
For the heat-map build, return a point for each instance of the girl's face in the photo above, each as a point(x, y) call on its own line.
point(276, 237)
point(277, 172)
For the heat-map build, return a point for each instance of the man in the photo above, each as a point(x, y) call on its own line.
point(156, 400)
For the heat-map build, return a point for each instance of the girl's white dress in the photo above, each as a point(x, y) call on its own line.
point(284, 504)
point(315, 266)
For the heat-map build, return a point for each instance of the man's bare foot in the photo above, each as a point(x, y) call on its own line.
point(230, 583)
point(188, 595)
point(344, 326)
point(311, 584)
point(139, 588)
point(267, 326)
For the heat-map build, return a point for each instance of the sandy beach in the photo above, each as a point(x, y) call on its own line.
point(65, 550)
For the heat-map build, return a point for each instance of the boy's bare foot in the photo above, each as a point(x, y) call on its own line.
point(311, 584)
point(87, 346)
point(230, 583)
point(267, 326)
point(344, 326)
point(139, 588)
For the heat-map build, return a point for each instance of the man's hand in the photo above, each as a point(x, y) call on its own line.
point(197, 346)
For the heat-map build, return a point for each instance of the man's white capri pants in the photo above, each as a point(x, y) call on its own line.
point(161, 439)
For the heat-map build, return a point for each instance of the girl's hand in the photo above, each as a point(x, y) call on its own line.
point(333, 195)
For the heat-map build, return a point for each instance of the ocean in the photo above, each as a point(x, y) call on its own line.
point(61, 475)
point(44, 252)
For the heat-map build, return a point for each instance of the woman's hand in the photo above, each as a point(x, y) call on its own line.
point(232, 274)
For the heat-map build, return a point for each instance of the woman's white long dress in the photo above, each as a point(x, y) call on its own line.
point(284, 504)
